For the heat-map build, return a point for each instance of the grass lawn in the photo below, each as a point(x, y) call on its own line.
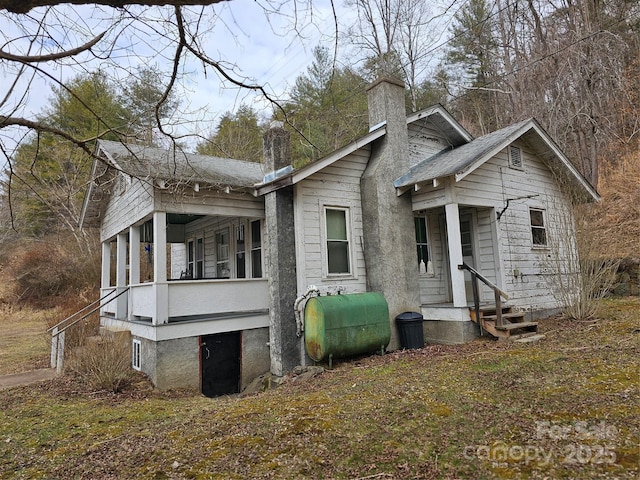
point(24, 343)
point(565, 407)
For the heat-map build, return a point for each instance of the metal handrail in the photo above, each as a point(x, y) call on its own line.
point(54, 330)
point(57, 325)
point(476, 296)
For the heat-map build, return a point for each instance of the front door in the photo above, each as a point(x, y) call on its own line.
point(220, 361)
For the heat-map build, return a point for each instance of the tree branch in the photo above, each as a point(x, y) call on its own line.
point(53, 56)
point(25, 6)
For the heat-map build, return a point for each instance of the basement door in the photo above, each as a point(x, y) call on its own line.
point(220, 364)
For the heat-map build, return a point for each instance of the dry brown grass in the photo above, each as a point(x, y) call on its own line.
point(616, 220)
point(24, 345)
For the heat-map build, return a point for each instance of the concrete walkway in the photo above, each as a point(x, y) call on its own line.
point(26, 378)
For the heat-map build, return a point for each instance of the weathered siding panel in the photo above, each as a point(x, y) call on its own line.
point(211, 202)
point(493, 184)
point(126, 209)
point(425, 140)
point(335, 186)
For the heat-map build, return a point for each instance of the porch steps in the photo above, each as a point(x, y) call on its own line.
point(513, 326)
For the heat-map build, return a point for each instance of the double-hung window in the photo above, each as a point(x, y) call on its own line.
point(422, 244)
point(256, 250)
point(241, 258)
point(222, 253)
point(195, 258)
point(538, 229)
point(337, 232)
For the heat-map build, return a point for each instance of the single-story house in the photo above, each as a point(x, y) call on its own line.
point(210, 255)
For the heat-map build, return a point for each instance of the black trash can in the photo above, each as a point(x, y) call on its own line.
point(410, 330)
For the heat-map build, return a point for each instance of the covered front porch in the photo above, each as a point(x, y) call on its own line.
point(183, 269)
point(449, 236)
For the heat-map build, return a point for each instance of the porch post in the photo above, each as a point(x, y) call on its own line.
point(160, 286)
point(134, 255)
point(105, 277)
point(121, 275)
point(455, 255)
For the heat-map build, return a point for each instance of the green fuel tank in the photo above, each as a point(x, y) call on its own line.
point(343, 325)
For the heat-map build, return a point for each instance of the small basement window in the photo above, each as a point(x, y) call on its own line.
point(515, 157)
point(136, 357)
point(538, 229)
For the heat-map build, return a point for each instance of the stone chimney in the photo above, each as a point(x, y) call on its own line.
point(280, 247)
point(389, 250)
point(277, 147)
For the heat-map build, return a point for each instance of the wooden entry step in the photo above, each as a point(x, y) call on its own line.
point(513, 324)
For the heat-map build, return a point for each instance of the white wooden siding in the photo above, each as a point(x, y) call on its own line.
point(211, 203)
point(424, 141)
point(493, 184)
point(335, 186)
point(504, 246)
point(126, 209)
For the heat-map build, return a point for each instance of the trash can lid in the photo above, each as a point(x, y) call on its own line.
point(409, 316)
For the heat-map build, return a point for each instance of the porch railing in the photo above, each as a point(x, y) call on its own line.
point(498, 293)
point(58, 331)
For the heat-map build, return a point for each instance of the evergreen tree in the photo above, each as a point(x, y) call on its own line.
point(238, 135)
point(47, 175)
point(328, 105)
point(472, 66)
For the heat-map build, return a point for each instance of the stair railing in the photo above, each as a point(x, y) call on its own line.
point(498, 293)
point(58, 330)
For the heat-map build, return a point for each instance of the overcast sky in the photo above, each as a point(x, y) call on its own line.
point(267, 42)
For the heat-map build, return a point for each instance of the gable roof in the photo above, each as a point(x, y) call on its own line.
point(444, 122)
point(461, 161)
point(441, 118)
point(176, 166)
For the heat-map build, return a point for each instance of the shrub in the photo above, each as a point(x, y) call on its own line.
point(43, 271)
point(104, 362)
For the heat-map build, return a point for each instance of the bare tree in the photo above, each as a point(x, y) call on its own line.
point(44, 42)
point(397, 38)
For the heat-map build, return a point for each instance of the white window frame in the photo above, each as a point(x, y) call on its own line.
point(230, 256)
point(427, 240)
point(250, 249)
point(136, 354)
point(241, 225)
point(324, 240)
point(192, 265)
point(543, 227)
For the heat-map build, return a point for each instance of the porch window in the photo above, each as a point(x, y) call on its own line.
point(538, 229)
point(256, 250)
point(200, 258)
point(222, 250)
point(422, 244)
point(240, 252)
point(136, 356)
point(337, 241)
point(195, 258)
